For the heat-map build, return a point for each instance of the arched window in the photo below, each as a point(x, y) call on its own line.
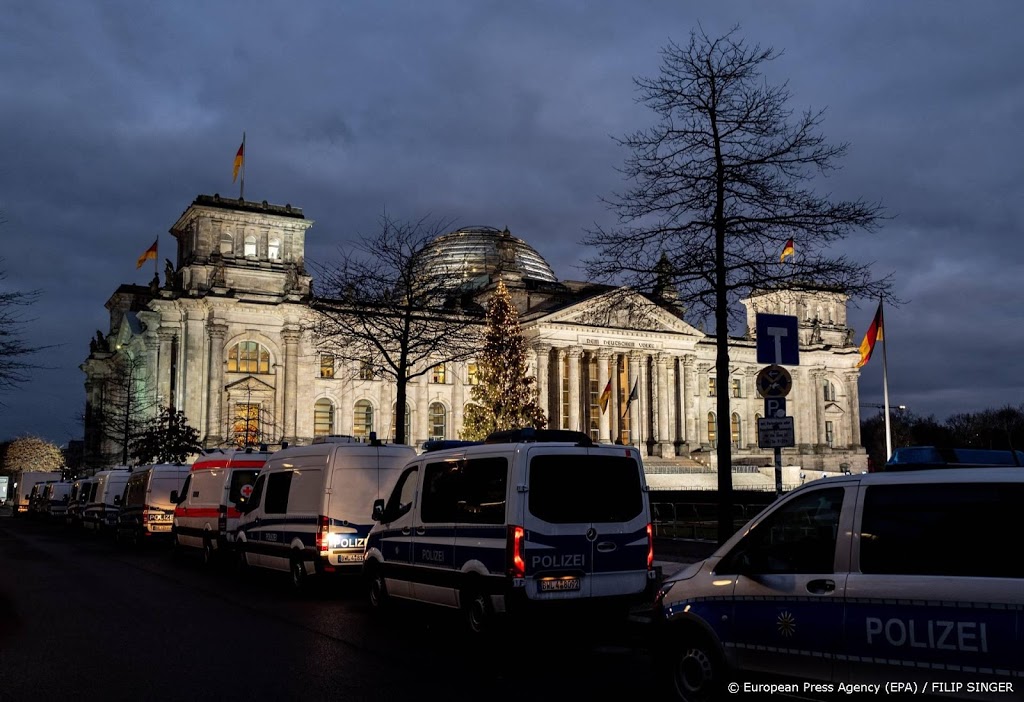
point(250, 245)
point(323, 417)
point(362, 419)
point(227, 243)
point(394, 421)
point(274, 249)
point(248, 357)
point(757, 429)
point(438, 418)
point(736, 429)
point(712, 430)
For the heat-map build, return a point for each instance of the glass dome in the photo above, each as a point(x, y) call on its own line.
point(475, 251)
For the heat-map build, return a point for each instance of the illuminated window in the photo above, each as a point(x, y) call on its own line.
point(323, 417)
point(362, 419)
point(250, 245)
point(408, 421)
point(246, 425)
point(472, 373)
point(274, 249)
point(326, 365)
point(366, 371)
point(439, 374)
point(712, 387)
point(438, 419)
point(712, 430)
point(736, 430)
point(737, 387)
point(248, 357)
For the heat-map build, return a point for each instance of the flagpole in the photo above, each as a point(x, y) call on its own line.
point(885, 386)
point(241, 192)
point(156, 259)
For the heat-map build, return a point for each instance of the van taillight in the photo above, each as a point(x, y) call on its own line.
point(514, 549)
point(321, 534)
point(650, 546)
point(145, 516)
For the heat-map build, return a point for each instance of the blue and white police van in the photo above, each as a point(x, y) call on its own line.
point(309, 510)
point(529, 519)
point(896, 582)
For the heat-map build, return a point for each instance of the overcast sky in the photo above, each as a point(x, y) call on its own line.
point(117, 114)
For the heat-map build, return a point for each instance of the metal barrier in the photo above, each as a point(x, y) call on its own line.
point(695, 520)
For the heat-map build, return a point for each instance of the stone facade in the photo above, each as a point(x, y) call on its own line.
point(226, 339)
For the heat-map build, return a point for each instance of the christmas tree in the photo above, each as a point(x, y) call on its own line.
point(505, 398)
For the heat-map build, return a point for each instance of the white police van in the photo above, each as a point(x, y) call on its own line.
point(100, 513)
point(895, 582)
point(309, 510)
point(526, 520)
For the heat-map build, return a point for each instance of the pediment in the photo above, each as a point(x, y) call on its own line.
point(250, 383)
point(833, 408)
point(620, 309)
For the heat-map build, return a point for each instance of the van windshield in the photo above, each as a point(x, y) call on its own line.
point(580, 488)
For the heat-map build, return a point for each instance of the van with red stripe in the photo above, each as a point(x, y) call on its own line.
point(309, 511)
point(206, 512)
point(529, 521)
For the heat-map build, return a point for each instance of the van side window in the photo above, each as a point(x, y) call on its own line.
point(257, 492)
point(306, 491)
point(186, 487)
point(440, 492)
point(278, 486)
point(402, 496)
point(953, 529)
point(239, 479)
point(799, 537)
point(482, 493)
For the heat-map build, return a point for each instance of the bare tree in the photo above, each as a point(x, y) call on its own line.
point(389, 309)
point(124, 410)
point(720, 184)
point(14, 350)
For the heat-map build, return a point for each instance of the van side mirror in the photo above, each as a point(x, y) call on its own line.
point(117, 500)
point(378, 511)
point(175, 498)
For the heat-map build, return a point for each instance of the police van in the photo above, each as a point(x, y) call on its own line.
point(206, 513)
point(100, 513)
point(55, 500)
point(530, 519)
point(309, 510)
point(146, 510)
point(847, 584)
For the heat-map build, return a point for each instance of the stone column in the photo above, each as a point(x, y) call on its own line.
point(703, 404)
point(635, 437)
point(215, 403)
point(817, 378)
point(194, 382)
point(543, 391)
point(556, 396)
point(164, 365)
point(688, 423)
point(663, 406)
point(799, 407)
point(291, 336)
point(422, 390)
point(574, 353)
point(603, 376)
point(459, 393)
point(853, 392)
point(752, 405)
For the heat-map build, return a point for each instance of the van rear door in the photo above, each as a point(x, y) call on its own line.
point(586, 523)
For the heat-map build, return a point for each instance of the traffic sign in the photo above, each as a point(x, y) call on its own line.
point(774, 407)
point(775, 432)
point(774, 381)
point(777, 339)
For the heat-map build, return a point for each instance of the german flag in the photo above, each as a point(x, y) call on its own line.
point(239, 159)
point(149, 255)
point(875, 333)
point(605, 397)
point(787, 250)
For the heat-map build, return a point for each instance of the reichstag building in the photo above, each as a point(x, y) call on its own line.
point(224, 337)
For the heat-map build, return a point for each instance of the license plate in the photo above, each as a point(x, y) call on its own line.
point(159, 527)
point(351, 558)
point(559, 584)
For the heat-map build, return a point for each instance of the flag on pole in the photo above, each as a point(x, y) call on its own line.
point(239, 159)
point(875, 333)
point(149, 255)
point(606, 395)
point(632, 396)
point(787, 250)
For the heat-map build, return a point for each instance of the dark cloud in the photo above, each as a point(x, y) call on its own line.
point(117, 114)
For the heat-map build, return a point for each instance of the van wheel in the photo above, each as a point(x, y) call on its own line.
point(208, 552)
point(299, 577)
point(476, 608)
point(377, 589)
point(241, 561)
point(693, 668)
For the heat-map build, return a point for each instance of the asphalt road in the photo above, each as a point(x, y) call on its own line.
point(85, 619)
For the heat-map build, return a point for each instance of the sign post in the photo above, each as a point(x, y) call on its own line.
point(778, 343)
